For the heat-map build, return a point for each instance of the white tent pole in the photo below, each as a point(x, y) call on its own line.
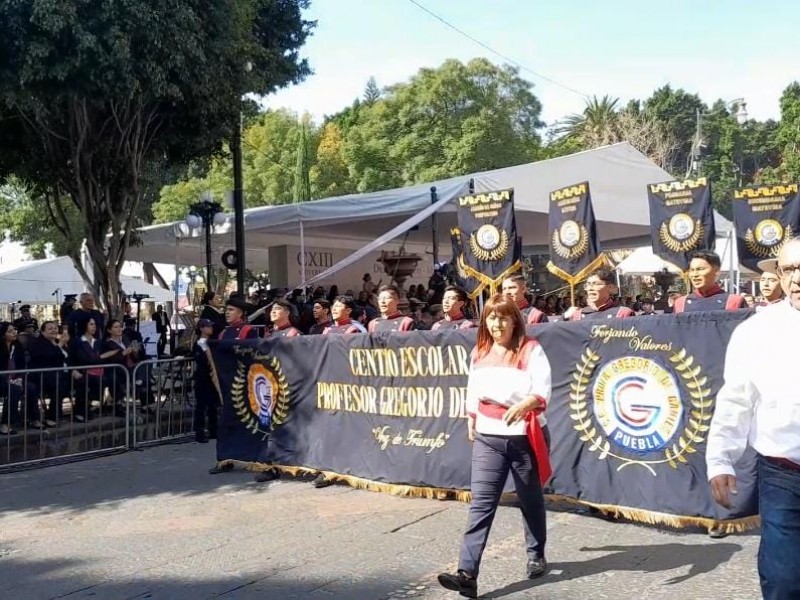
point(302, 257)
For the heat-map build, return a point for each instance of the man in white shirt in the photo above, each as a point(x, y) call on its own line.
point(759, 405)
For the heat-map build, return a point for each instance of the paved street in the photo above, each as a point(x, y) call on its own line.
point(152, 524)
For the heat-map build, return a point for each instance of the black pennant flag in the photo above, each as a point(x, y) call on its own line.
point(681, 219)
point(574, 247)
point(766, 217)
point(460, 277)
point(488, 238)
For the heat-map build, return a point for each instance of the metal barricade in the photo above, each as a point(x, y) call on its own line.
point(165, 408)
point(52, 415)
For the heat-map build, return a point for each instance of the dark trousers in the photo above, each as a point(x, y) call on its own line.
point(55, 387)
point(492, 459)
point(14, 397)
point(205, 409)
point(779, 552)
point(162, 342)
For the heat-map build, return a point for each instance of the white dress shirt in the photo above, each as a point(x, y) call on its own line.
point(507, 385)
point(759, 403)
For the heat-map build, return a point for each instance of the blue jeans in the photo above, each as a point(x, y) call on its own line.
point(493, 456)
point(779, 552)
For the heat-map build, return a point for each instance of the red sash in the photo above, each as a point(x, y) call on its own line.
point(533, 431)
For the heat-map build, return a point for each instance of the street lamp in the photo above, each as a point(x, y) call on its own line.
point(207, 214)
point(238, 193)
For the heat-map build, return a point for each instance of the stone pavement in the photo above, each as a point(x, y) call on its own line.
point(152, 524)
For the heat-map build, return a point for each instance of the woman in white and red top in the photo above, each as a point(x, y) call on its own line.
point(509, 384)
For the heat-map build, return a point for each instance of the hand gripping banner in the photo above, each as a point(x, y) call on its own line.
point(574, 247)
point(488, 239)
point(766, 217)
point(681, 219)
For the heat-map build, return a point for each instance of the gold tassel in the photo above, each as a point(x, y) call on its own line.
point(633, 514)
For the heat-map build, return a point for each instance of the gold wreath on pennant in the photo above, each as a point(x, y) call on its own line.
point(460, 267)
point(241, 401)
point(697, 423)
point(489, 255)
point(575, 251)
point(689, 243)
point(761, 251)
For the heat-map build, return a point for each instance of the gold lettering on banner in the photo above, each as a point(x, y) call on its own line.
point(495, 198)
point(606, 333)
point(385, 437)
point(675, 186)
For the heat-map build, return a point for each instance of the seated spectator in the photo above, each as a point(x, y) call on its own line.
point(15, 386)
point(87, 352)
point(118, 350)
point(85, 311)
point(49, 351)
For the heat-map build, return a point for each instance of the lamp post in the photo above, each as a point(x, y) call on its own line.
point(739, 108)
point(207, 214)
point(238, 193)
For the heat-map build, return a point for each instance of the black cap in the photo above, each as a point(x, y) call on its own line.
point(25, 307)
point(239, 302)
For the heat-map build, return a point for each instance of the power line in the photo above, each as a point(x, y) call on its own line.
point(493, 51)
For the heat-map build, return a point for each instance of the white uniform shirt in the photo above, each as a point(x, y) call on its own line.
point(507, 385)
point(759, 404)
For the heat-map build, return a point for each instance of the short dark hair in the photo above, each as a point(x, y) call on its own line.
point(208, 297)
point(460, 293)
point(323, 303)
point(605, 275)
point(285, 304)
point(709, 256)
point(390, 288)
point(517, 279)
point(347, 301)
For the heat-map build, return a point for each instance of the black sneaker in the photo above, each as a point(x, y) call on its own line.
point(321, 482)
point(536, 568)
point(459, 582)
point(265, 476)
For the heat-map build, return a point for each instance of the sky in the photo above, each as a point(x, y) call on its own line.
point(718, 49)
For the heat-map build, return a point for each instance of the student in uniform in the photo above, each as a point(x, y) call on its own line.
point(453, 303)
point(342, 311)
point(704, 271)
point(391, 318)
point(280, 315)
point(600, 289)
point(516, 288)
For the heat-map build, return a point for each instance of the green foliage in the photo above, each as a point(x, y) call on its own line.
point(100, 98)
point(302, 180)
point(676, 110)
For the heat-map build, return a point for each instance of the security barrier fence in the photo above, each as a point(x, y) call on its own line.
point(49, 416)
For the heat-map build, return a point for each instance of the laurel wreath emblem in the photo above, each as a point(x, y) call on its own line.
point(697, 423)
point(241, 403)
point(689, 243)
point(756, 249)
point(577, 250)
point(489, 255)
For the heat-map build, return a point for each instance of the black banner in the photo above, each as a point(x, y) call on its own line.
point(629, 416)
point(766, 217)
point(574, 247)
point(488, 238)
point(460, 278)
point(681, 219)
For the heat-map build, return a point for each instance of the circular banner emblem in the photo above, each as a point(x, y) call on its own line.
point(570, 234)
point(262, 389)
point(681, 227)
point(260, 394)
point(769, 233)
point(488, 237)
point(637, 403)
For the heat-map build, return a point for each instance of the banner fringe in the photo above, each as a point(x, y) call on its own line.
point(651, 517)
point(637, 515)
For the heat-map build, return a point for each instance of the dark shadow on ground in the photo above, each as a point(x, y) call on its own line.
point(46, 580)
point(701, 558)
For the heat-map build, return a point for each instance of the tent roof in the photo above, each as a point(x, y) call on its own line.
point(643, 262)
point(617, 176)
point(35, 281)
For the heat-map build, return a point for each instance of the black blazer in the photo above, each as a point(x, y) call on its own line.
point(84, 354)
point(20, 360)
point(46, 355)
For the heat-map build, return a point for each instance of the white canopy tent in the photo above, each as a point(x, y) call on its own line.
point(617, 176)
point(44, 281)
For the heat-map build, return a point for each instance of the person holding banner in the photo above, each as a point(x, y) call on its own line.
point(515, 287)
point(206, 385)
point(280, 315)
point(391, 318)
point(509, 384)
point(341, 311)
point(600, 287)
point(453, 303)
point(758, 406)
point(703, 272)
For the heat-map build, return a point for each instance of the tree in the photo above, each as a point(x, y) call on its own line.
point(676, 111)
point(97, 95)
point(330, 175)
point(595, 126)
point(372, 93)
point(302, 181)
